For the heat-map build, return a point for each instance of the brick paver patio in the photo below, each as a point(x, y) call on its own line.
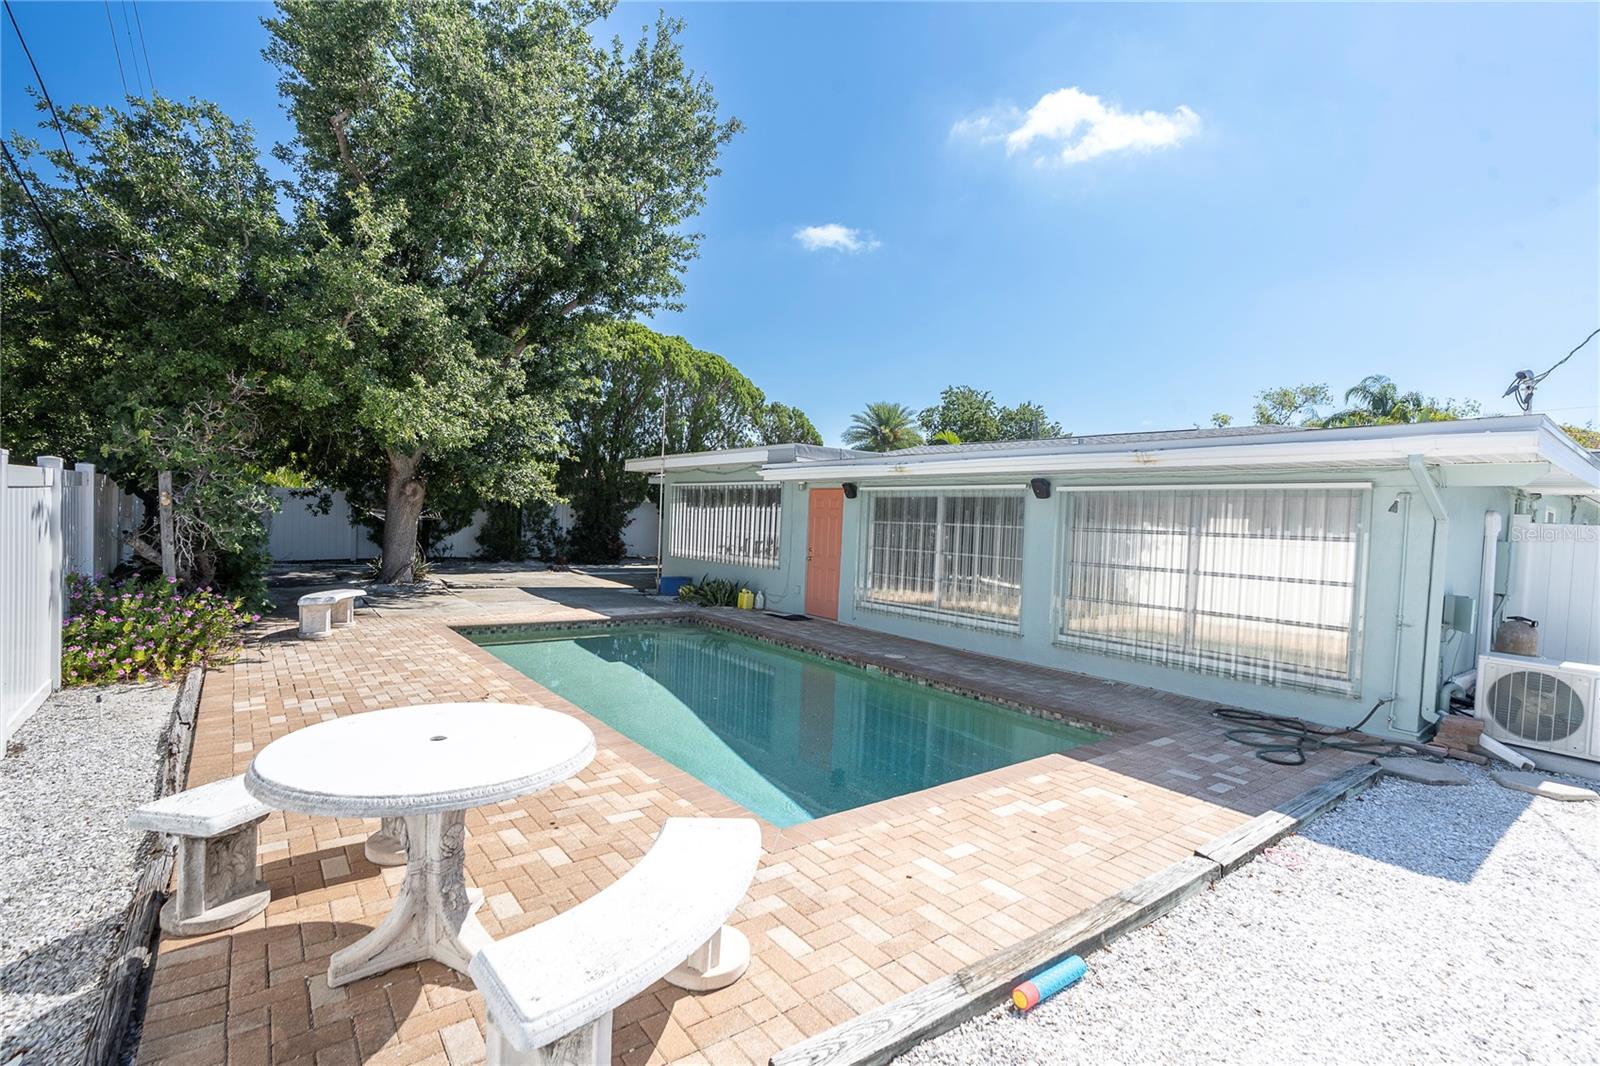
point(847, 912)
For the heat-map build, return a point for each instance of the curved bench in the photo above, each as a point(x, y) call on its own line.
point(321, 611)
point(550, 990)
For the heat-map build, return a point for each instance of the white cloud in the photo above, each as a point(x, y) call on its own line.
point(832, 237)
point(1071, 126)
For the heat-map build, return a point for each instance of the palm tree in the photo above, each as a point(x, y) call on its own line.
point(1377, 401)
point(883, 427)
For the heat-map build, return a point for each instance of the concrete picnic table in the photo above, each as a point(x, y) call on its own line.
point(427, 764)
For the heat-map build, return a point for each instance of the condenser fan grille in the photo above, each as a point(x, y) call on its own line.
point(1536, 707)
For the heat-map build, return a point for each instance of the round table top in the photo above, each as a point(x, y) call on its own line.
point(420, 760)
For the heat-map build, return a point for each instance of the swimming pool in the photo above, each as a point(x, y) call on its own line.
point(787, 735)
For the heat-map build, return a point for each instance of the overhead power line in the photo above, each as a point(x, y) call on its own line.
point(148, 73)
point(54, 115)
point(133, 56)
point(44, 222)
point(112, 26)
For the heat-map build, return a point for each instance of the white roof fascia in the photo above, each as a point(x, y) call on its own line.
point(1508, 445)
point(654, 464)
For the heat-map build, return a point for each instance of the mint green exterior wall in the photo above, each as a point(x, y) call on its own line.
point(1403, 652)
point(784, 586)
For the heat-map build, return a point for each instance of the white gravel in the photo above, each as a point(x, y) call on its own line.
point(1412, 924)
point(67, 865)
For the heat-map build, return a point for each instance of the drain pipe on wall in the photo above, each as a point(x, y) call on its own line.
point(1493, 523)
point(1433, 616)
point(1402, 503)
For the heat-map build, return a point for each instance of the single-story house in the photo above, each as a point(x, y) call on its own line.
point(1293, 571)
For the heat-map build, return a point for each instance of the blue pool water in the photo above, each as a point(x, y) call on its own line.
point(786, 735)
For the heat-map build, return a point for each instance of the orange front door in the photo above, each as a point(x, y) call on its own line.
point(824, 533)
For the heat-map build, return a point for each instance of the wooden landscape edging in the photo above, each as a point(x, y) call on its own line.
point(127, 978)
point(879, 1035)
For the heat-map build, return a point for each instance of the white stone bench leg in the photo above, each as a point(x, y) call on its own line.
point(219, 883)
point(588, 1046)
point(718, 963)
point(387, 847)
point(432, 917)
point(344, 612)
point(316, 620)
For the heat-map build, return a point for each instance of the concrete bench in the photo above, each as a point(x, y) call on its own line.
point(550, 990)
point(219, 883)
point(321, 611)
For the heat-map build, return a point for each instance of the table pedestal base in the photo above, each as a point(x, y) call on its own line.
point(432, 917)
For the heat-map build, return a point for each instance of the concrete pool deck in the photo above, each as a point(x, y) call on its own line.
point(847, 912)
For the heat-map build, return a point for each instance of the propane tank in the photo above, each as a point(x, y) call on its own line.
point(1517, 636)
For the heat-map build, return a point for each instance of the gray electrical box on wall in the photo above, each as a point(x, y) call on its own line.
point(1460, 613)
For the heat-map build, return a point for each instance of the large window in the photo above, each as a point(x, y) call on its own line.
point(953, 554)
point(1261, 584)
point(734, 523)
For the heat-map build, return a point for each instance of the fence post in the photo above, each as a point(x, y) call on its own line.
point(169, 565)
point(86, 498)
point(57, 475)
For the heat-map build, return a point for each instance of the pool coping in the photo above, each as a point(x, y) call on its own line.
point(774, 838)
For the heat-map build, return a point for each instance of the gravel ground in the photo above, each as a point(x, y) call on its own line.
point(1412, 924)
point(67, 866)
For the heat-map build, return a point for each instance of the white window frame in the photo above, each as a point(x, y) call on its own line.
point(973, 620)
point(753, 537)
point(1198, 661)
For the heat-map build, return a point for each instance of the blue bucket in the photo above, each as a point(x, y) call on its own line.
point(671, 585)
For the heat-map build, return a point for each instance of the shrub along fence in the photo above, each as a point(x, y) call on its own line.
point(53, 522)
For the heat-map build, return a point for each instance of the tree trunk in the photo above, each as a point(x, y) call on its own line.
point(402, 511)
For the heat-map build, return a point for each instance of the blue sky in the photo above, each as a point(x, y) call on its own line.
point(1234, 197)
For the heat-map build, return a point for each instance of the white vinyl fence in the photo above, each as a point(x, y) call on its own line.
point(301, 532)
point(1555, 580)
point(53, 522)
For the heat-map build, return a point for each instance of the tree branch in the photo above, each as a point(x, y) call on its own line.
point(345, 155)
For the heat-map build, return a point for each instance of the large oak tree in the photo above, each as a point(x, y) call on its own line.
point(480, 177)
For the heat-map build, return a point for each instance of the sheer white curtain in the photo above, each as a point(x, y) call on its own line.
point(1260, 584)
point(952, 554)
point(732, 522)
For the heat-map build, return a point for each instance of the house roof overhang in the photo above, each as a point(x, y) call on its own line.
point(1546, 459)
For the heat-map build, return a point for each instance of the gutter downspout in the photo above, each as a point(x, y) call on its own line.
point(1493, 523)
point(1433, 617)
point(1401, 624)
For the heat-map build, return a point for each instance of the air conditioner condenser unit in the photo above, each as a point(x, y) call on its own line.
point(1541, 703)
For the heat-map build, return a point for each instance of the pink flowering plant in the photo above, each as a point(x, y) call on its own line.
point(145, 630)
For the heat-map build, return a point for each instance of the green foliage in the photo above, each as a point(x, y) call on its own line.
point(1586, 435)
point(973, 417)
point(1290, 405)
point(711, 592)
point(1377, 401)
point(136, 300)
point(131, 631)
point(1028, 421)
point(944, 436)
point(421, 569)
point(780, 423)
point(632, 369)
point(1373, 401)
point(502, 538)
point(477, 180)
point(1221, 420)
point(547, 539)
point(882, 427)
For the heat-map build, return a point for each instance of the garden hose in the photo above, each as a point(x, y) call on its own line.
point(1285, 741)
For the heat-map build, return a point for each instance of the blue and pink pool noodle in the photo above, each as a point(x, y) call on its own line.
point(1046, 983)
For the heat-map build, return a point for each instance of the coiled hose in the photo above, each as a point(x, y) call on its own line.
point(1285, 741)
